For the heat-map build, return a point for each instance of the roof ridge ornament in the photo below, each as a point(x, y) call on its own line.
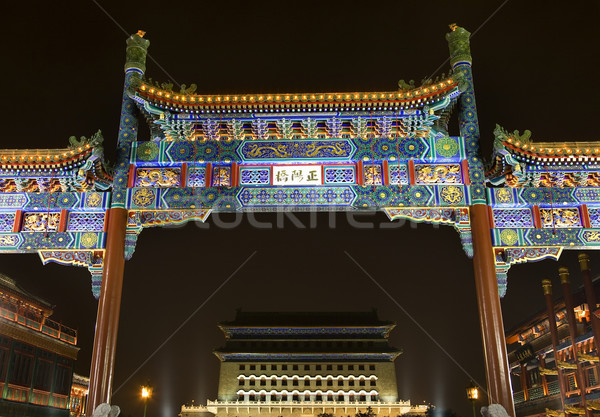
point(459, 45)
point(95, 140)
point(502, 135)
point(137, 49)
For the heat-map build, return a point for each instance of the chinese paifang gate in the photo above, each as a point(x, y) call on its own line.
point(388, 151)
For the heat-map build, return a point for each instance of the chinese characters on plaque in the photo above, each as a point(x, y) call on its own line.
point(297, 175)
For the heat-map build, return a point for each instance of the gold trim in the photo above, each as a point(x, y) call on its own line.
point(584, 261)
point(547, 286)
point(564, 275)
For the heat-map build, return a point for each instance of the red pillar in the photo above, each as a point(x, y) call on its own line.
point(524, 381)
point(109, 303)
point(590, 297)
point(547, 286)
point(542, 362)
point(109, 306)
point(490, 312)
point(580, 374)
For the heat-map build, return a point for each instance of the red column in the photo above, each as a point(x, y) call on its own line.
point(590, 297)
point(386, 173)
point(131, 176)
point(537, 219)
point(18, 221)
point(547, 286)
point(208, 175)
point(411, 172)
point(542, 362)
point(465, 172)
point(568, 295)
point(183, 176)
point(360, 173)
point(62, 224)
point(490, 312)
point(109, 306)
point(524, 381)
point(235, 174)
point(585, 216)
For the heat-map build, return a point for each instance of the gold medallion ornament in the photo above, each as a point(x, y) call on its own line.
point(93, 199)
point(88, 240)
point(503, 195)
point(147, 151)
point(143, 197)
point(446, 147)
point(452, 194)
point(509, 237)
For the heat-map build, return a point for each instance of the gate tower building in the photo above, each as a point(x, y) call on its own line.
point(276, 364)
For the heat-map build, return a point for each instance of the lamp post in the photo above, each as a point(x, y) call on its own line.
point(473, 395)
point(146, 393)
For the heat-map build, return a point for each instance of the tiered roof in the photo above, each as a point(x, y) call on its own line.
point(515, 155)
point(285, 102)
point(306, 336)
point(305, 319)
point(83, 162)
point(10, 290)
point(22, 313)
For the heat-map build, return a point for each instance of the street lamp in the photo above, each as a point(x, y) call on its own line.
point(146, 393)
point(473, 394)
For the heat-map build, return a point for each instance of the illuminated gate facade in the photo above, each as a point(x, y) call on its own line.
point(387, 151)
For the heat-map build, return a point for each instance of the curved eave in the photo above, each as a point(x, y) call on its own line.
point(42, 159)
point(497, 169)
point(10, 287)
point(100, 173)
point(331, 101)
point(226, 329)
point(224, 356)
point(544, 153)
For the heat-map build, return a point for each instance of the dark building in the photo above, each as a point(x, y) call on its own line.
point(539, 365)
point(36, 355)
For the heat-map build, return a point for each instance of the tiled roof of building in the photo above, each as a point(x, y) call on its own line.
point(415, 97)
point(309, 319)
point(10, 285)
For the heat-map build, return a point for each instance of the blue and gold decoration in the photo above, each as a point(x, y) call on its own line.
point(389, 151)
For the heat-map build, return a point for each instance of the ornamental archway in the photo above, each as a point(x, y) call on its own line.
point(388, 151)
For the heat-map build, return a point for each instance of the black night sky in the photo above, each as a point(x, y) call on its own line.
point(535, 67)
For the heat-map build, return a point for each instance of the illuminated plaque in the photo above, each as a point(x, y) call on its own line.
point(297, 175)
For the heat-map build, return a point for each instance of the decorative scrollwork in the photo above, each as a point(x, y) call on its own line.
point(41, 222)
point(162, 218)
point(297, 149)
point(221, 176)
point(372, 174)
point(456, 216)
point(92, 259)
point(438, 174)
point(561, 217)
point(137, 220)
point(158, 177)
point(505, 257)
